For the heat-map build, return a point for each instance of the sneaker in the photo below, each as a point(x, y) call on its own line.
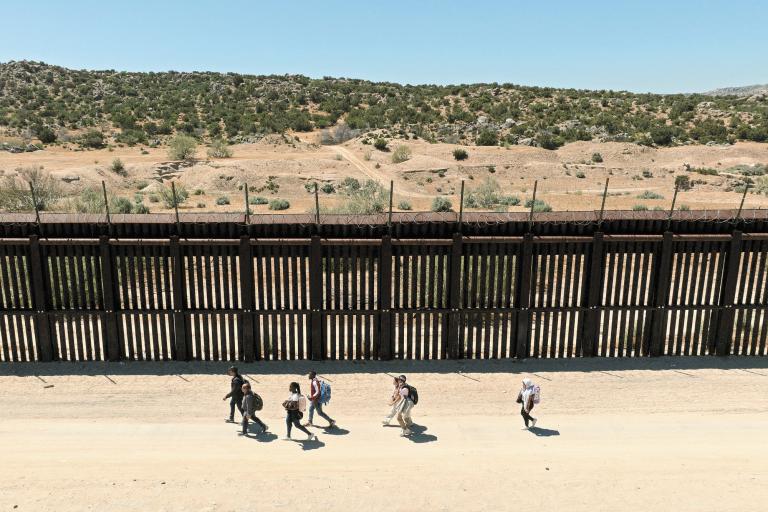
point(308, 424)
point(385, 423)
point(312, 437)
point(333, 424)
point(229, 420)
point(265, 429)
point(405, 433)
point(287, 438)
point(525, 428)
point(533, 422)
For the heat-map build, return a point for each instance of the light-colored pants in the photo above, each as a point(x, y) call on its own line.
point(404, 414)
point(393, 412)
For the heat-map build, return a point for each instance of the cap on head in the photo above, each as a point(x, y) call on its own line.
point(312, 374)
point(402, 378)
point(232, 369)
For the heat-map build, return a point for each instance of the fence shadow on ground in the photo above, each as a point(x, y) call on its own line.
point(331, 368)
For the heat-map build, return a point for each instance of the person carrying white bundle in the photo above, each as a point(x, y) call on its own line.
point(528, 396)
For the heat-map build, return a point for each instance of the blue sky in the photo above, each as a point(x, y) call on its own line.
point(653, 45)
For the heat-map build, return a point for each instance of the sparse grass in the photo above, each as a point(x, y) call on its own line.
point(705, 170)
point(166, 194)
point(118, 167)
point(649, 195)
point(538, 205)
point(258, 200)
point(442, 204)
point(640, 208)
point(219, 149)
point(15, 195)
point(222, 201)
point(460, 154)
point(404, 205)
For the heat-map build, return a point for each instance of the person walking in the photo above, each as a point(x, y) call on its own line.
point(235, 394)
point(394, 402)
point(249, 410)
point(315, 403)
point(294, 408)
point(526, 400)
point(404, 408)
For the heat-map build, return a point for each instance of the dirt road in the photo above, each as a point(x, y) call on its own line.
point(614, 435)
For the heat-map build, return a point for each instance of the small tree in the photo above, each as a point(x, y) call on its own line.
point(182, 147)
point(92, 139)
point(45, 134)
point(442, 204)
point(401, 154)
point(219, 149)
point(460, 154)
point(380, 144)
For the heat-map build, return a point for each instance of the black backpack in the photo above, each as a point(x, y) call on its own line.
point(413, 394)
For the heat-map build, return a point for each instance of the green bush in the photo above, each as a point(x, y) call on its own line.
point(597, 158)
point(380, 144)
point(120, 205)
point(140, 208)
point(118, 167)
point(487, 138)
point(509, 200)
point(538, 205)
point(441, 204)
point(166, 194)
point(279, 204)
point(258, 200)
point(45, 134)
point(705, 170)
point(223, 200)
point(580, 175)
point(460, 154)
point(649, 195)
point(640, 208)
point(182, 147)
point(683, 182)
point(219, 149)
point(350, 184)
point(328, 188)
point(92, 139)
point(404, 205)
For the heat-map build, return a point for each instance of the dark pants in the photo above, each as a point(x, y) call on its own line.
point(235, 402)
point(292, 420)
point(255, 420)
point(317, 406)
point(526, 416)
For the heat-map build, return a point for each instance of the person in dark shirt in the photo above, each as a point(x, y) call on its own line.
point(249, 410)
point(235, 394)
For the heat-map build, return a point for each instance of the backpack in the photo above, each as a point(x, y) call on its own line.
point(413, 394)
point(325, 392)
point(536, 394)
point(258, 403)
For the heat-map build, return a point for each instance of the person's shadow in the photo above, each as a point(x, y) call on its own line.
point(543, 432)
point(418, 435)
point(307, 445)
point(335, 431)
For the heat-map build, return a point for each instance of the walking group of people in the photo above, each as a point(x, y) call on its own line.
point(242, 398)
point(404, 398)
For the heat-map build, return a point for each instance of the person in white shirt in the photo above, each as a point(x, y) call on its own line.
point(295, 407)
point(404, 408)
point(525, 399)
point(394, 402)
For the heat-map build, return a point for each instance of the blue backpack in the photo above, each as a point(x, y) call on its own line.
point(325, 392)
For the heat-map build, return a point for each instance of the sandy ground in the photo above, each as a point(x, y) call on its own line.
point(668, 434)
point(567, 178)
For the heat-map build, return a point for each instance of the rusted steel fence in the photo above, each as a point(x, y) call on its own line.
point(220, 290)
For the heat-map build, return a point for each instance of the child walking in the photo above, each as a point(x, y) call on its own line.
point(249, 410)
point(294, 408)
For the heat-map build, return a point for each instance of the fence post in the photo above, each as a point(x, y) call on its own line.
point(728, 296)
point(108, 294)
point(454, 299)
point(661, 283)
point(181, 337)
point(385, 298)
point(247, 291)
point(523, 299)
point(40, 302)
point(316, 298)
point(590, 335)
